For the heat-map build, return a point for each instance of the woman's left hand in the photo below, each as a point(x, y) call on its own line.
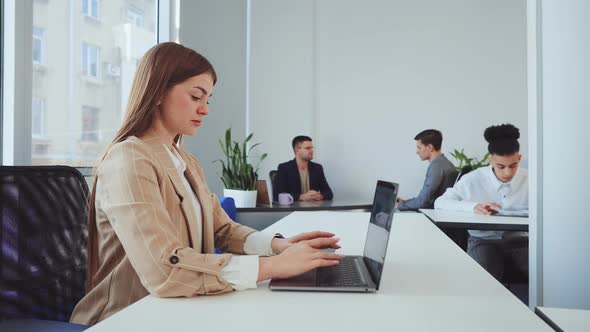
point(279, 245)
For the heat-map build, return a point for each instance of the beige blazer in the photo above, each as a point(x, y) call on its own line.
point(146, 231)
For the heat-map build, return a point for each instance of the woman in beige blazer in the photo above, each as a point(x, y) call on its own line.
point(153, 223)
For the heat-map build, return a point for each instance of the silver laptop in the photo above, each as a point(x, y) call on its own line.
point(354, 273)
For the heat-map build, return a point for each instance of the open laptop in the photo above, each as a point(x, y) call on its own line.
point(354, 273)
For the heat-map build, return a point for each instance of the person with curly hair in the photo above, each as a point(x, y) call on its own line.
point(502, 186)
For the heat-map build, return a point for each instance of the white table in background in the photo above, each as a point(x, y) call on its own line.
point(428, 284)
point(468, 220)
point(566, 320)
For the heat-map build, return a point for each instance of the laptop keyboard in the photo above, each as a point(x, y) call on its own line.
point(345, 274)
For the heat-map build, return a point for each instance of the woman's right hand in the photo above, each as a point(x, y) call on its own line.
point(298, 259)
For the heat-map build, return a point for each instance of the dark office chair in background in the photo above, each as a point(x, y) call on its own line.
point(451, 179)
point(43, 229)
point(459, 236)
point(271, 175)
point(463, 171)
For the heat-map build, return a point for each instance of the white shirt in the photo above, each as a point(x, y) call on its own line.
point(482, 186)
point(241, 271)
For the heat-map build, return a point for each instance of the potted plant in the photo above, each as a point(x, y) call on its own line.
point(467, 164)
point(238, 174)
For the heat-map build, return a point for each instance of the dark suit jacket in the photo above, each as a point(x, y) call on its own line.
point(287, 180)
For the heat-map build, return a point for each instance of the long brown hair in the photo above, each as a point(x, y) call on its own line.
point(162, 67)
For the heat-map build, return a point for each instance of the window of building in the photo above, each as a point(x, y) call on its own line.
point(90, 8)
point(135, 16)
point(90, 124)
point(38, 117)
point(38, 45)
point(90, 60)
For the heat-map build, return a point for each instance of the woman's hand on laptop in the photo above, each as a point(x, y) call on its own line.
point(279, 245)
point(298, 258)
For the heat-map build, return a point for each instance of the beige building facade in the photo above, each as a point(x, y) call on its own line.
point(85, 53)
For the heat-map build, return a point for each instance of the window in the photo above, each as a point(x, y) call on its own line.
point(90, 124)
point(67, 86)
point(38, 116)
point(135, 16)
point(90, 8)
point(90, 60)
point(38, 45)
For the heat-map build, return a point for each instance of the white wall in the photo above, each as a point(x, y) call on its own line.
point(565, 80)
point(282, 79)
point(217, 29)
point(362, 79)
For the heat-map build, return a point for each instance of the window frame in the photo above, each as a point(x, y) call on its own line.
point(135, 13)
point(17, 81)
point(2, 28)
point(41, 39)
point(86, 63)
point(87, 9)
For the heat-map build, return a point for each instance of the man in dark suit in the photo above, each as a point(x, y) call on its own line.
point(300, 177)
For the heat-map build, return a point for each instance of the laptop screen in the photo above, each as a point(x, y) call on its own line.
point(379, 228)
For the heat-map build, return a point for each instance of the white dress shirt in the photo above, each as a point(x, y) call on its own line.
point(482, 186)
point(241, 271)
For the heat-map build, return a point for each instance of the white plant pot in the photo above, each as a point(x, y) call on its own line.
point(243, 198)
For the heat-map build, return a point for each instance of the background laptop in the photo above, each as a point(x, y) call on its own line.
point(523, 213)
point(354, 273)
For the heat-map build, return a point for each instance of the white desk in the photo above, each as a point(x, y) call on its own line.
point(566, 320)
point(466, 220)
point(428, 284)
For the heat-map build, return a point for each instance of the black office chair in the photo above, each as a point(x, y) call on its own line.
point(43, 229)
point(463, 171)
point(272, 175)
point(450, 180)
point(459, 236)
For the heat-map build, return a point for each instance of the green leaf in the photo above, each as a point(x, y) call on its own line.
point(237, 172)
point(463, 160)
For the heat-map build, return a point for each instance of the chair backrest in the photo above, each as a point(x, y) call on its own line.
point(450, 180)
point(229, 206)
point(43, 212)
point(271, 175)
point(463, 171)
